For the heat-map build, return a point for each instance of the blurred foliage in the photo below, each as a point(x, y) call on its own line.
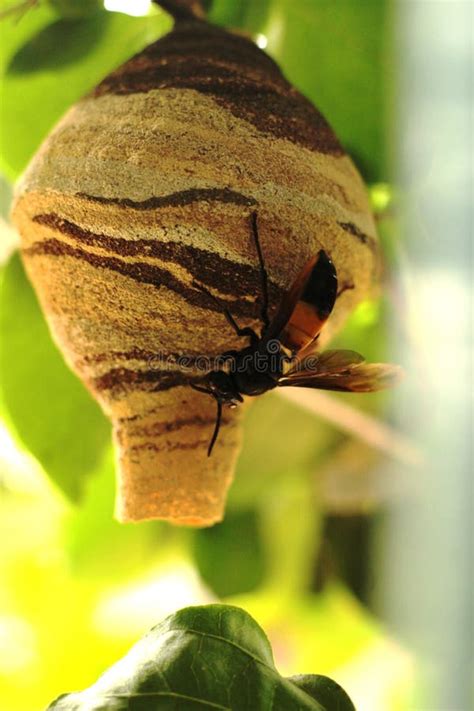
point(74, 9)
point(41, 395)
point(49, 61)
point(237, 544)
point(93, 536)
point(345, 553)
point(79, 588)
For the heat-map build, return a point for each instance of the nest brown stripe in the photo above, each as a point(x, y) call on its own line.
point(136, 379)
point(137, 354)
point(160, 428)
point(133, 354)
point(253, 89)
point(147, 274)
point(168, 446)
point(213, 43)
point(352, 229)
point(227, 276)
point(194, 43)
point(178, 199)
point(127, 420)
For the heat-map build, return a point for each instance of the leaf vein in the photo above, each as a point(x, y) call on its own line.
point(171, 694)
point(227, 641)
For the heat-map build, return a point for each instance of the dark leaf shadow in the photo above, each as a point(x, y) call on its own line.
point(60, 44)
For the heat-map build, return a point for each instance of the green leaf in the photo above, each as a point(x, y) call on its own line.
point(72, 8)
point(208, 657)
point(6, 192)
point(49, 409)
point(324, 690)
point(246, 15)
point(236, 545)
point(18, 27)
point(36, 56)
point(227, 13)
point(47, 70)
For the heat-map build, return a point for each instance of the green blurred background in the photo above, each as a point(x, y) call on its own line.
point(304, 538)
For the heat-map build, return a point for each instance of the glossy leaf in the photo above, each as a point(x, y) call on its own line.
point(208, 657)
point(50, 410)
point(324, 690)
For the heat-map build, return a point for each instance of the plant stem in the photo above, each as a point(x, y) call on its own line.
point(357, 423)
point(19, 9)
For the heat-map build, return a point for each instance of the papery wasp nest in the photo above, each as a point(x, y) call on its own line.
point(143, 193)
